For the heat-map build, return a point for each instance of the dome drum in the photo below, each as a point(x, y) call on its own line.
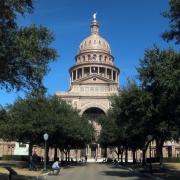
point(94, 57)
point(108, 72)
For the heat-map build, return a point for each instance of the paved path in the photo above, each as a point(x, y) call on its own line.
point(96, 172)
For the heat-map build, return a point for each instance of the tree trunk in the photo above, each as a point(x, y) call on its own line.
point(68, 155)
point(134, 156)
point(122, 156)
point(126, 155)
point(30, 149)
point(119, 151)
point(159, 153)
point(76, 154)
point(144, 157)
point(55, 152)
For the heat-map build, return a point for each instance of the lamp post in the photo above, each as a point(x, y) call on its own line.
point(45, 149)
point(150, 137)
point(69, 147)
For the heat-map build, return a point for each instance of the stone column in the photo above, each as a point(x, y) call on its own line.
point(76, 74)
point(82, 72)
point(88, 153)
point(106, 72)
point(98, 151)
point(111, 74)
point(173, 151)
point(72, 77)
point(98, 70)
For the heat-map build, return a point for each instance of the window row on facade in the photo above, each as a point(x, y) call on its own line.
point(102, 71)
point(94, 58)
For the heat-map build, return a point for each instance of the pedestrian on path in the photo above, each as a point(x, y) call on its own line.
point(56, 167)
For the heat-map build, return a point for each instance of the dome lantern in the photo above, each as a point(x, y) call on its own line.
point(94, 25)
point(94, 42)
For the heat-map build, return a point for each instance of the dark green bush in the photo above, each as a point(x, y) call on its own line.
point(15, 157)
point(172, 159)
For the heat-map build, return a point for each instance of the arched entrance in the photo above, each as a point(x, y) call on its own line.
point(93, 150)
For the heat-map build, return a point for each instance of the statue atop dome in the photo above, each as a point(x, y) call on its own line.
point(94, 16)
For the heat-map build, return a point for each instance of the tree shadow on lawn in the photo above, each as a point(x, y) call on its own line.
point(123, 174)
point(15, 177)
point(168, 172)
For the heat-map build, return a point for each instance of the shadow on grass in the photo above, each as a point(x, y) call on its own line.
point(15, 177)
point(168, 172)
point(123, 174)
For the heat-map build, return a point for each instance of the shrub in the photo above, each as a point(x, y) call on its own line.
point(15, 157)
point(172, 159)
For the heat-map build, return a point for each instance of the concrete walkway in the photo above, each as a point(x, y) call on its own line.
point(96, 172)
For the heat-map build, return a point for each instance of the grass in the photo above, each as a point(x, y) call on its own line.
point(21, 171)
point(19, 167)
point(169, 171)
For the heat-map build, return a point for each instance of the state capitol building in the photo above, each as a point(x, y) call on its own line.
point(94, 78)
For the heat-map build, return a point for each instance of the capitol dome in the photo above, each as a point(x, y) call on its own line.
point(94, 42)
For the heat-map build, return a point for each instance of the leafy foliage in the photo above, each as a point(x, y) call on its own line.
point(28, 119)
point(159, 73)
point(24, 51)
point(174, 19)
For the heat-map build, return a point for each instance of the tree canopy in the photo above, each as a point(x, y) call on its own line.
point(174, 20)
point(24, 51)
point(28, 119)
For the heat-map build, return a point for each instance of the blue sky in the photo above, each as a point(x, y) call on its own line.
point(130, 27)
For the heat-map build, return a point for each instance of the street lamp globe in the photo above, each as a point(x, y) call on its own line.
point(45, 136)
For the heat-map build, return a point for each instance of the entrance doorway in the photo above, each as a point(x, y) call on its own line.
point(92, 115)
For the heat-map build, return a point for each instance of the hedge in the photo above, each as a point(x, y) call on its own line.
point(15, 157)
point(172, 159)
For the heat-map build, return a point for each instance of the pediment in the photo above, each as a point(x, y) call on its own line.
point(95, 79)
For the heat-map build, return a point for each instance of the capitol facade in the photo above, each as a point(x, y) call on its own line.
point(93, 80)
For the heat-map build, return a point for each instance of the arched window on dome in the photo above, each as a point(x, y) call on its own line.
point(79, 60)
point(100, 58)
point(105, 58)
point(94, 57)
point(94, 41)
point(84, 58)
point(89, 57)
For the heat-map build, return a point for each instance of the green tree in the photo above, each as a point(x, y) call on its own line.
point(174, 19)
point(159, 73)
point(24, 51)
point(132, 111)
point(28, 119)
